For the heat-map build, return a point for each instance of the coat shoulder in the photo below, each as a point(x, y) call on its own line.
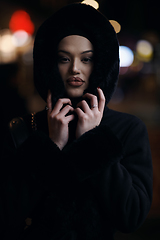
point(125, 127)
point(111, 115)
point(120, 121)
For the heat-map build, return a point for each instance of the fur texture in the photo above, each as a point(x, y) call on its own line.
point(76, 19)
point(97, 183)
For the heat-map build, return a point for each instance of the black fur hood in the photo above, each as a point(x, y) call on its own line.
point(76, 19)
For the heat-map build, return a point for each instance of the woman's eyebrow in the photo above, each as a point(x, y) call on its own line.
point(87, 51)
point(63, 51)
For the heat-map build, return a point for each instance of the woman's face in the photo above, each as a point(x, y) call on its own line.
point(75, 63)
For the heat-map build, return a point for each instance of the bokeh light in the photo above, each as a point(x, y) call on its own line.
point(126, 56)
point(7, 48)
point(20, 20)
point(116, 26)
point(21, 38)
point(6, 44)
point(92, 3)
point(144, 50)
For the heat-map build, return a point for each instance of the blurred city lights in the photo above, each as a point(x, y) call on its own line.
point(144, 50)
point(116, 26)
point(21, 38)
point(126, 56)
point(6, 45)
point(7, 48)
point(20, 20)
point(92, 3)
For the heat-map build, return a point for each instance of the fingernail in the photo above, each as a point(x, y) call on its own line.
point(98, 87)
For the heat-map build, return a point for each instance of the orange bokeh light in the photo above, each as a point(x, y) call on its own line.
point(21, 20)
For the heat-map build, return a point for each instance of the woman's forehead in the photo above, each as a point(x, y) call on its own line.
point(75, 43)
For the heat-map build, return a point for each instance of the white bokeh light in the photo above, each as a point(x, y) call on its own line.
point(6, 45)
point(126, 56)
point(7, 48)
point(21, 38)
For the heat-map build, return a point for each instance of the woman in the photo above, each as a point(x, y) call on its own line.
point(82, 171)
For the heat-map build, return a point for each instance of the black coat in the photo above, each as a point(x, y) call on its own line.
point(97, 184)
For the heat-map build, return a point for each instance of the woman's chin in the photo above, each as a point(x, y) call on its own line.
point(74, 94)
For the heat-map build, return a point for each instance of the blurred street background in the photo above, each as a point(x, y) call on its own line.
point(138, 92)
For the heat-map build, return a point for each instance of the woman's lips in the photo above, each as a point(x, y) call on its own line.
point(75, 81)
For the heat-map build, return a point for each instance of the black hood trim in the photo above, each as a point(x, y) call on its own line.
point(99, 31)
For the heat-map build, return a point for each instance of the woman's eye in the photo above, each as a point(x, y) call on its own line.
point(87, 60)
point(63, 59)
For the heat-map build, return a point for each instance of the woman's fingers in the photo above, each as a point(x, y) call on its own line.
point(69, 118)
point(79, 112)
point(83, 105)
point(102, 100)
point(58, 105)
point(93, 100)
point(95, 104)
point(65, 110)
point(49, 102)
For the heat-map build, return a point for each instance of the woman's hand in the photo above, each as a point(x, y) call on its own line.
point(89, 118)
point(58, 121)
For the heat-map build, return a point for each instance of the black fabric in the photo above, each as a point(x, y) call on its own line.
point(19, 131)
point(83, 20)
point(97, 184)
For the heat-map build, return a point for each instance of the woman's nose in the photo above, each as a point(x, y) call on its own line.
point(75, 67)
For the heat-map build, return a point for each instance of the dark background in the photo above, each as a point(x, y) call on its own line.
point(138, 90)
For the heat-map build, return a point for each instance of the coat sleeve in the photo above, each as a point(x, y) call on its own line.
point(25, 177)
point(119, 171)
